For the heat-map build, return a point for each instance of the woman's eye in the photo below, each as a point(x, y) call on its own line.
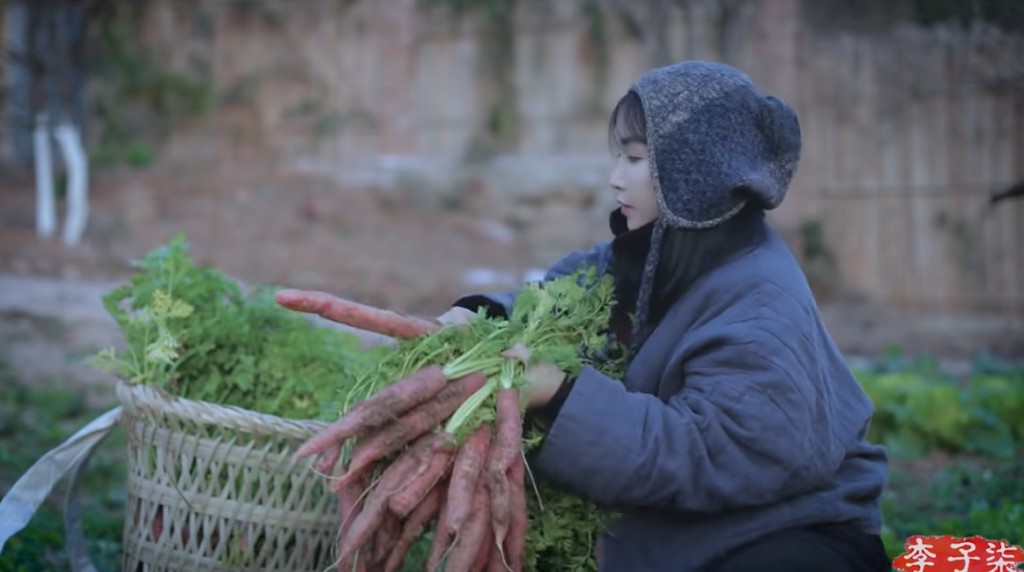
point(633, 159)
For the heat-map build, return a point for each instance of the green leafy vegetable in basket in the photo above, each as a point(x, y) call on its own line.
point(193, 332)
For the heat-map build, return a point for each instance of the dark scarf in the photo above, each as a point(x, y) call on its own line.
point(689, 254)
point(629, 252)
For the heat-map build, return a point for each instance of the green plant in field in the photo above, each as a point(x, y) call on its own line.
point(919, 409)
point(35, 417)
point(964, 498)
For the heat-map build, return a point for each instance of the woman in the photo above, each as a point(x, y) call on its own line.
point(737, 439)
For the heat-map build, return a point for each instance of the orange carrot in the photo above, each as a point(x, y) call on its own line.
point(391, 438)
point(406, 500)
point(414, 525)
point(483, 555)
point(506, 450)
point(355, 314)
point(519, 523)
point(440, 542)
point(381, 408)
point(469, 541)
point(362, 529)
point(328, 459)
point(415, 457)
point(384, 540)
point(465, 478)
point(498, 486)
point(509, 427)
point(494, 562)
point(365, 524)
point(349, 502)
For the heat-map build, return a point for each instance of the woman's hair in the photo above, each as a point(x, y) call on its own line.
point(633, 126)
point(686, 254)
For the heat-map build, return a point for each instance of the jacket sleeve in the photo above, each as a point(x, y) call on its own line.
point(750, 426)
point(499, 304)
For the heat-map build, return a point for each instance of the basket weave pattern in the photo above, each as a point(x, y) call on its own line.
point(215, 488)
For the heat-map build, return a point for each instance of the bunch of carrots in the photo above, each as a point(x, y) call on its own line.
point(430, 438)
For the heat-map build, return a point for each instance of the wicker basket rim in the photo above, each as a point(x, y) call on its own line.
point(149, 400)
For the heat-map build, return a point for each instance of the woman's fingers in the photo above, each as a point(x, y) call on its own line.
point(456, 316)
point(543, 381)
point(519, 352)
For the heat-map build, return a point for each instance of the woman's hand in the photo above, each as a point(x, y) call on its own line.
point(456, 316)
point(543, 379)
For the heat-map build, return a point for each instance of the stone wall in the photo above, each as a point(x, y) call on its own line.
point(907, 130)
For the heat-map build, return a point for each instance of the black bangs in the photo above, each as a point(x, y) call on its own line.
point(627, 123)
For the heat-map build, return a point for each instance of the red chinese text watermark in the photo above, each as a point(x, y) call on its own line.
point(952, 554)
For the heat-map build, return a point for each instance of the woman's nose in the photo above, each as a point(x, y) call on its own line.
point(615, 178)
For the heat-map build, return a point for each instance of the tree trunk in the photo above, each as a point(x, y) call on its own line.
point(46, 215)
point(78, 182)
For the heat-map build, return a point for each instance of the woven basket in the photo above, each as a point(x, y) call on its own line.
point(213, 487)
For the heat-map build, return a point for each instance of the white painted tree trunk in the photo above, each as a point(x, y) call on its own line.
point(46, 215)
point(70, 143)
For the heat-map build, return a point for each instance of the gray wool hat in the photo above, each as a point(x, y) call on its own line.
point(715, 142)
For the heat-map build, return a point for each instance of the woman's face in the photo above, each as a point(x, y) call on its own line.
point(631, 179)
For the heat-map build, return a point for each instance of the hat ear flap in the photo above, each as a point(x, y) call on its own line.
point(780, 127)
